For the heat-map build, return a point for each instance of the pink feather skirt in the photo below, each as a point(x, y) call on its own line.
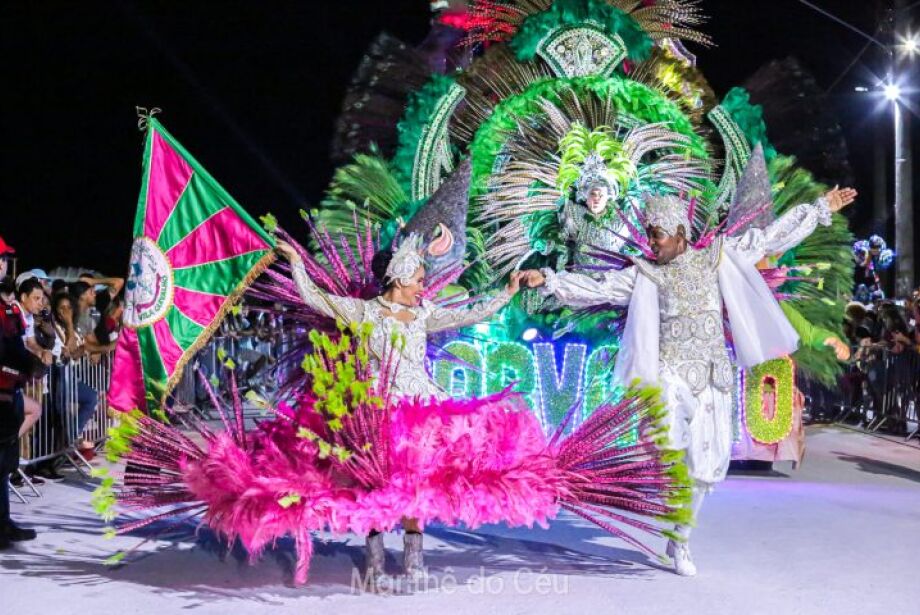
point(466, 462)
point(470, 462)
point(456, 462)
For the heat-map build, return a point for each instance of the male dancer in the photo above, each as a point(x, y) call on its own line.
point(674, 334)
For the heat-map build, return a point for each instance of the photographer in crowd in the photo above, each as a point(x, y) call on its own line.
point(31, 304)
point(886, 325)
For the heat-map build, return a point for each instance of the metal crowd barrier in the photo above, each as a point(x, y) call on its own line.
point(885, 392)
point(55, 435)
point(255, 359)
point(57, 432)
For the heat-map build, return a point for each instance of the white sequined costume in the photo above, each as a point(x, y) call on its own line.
point(411, 378)
point(674, 332)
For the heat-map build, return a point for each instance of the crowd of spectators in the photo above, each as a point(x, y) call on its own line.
point(45, 325)
point(885, 337)
point(884, 325)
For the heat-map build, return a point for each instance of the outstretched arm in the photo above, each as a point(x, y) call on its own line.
point(793, 227)
point(578, 290)
point(444, 319)
point(344, 309)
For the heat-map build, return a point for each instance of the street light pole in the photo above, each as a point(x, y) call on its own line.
point(903, 202)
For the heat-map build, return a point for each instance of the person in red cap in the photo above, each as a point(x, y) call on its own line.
point(6, 250)
point(16, 365)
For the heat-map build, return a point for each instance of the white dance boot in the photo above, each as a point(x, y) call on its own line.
point(679, 552)
point(376, 579)
point(413, 558)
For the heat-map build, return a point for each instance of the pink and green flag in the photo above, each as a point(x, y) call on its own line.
point(195, 251)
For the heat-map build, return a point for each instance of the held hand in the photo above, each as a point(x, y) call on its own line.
point(534, 279)
point(838, 198)
point(47, 358)
point(840, 349)
point(514, 281)
point(287, 251)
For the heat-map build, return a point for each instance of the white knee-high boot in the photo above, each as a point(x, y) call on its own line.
point(679, 551)
point(413, 559)
point(376, 578)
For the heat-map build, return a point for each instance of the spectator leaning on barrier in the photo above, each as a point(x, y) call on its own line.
point(73, 348)
point(16, 363)
point(894, 333)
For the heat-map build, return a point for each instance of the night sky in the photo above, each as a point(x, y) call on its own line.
point(252, 90)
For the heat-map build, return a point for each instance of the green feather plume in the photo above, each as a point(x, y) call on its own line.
point(599, 13)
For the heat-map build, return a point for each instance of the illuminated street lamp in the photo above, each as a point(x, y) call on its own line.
point(892, 92)
point(909, 44)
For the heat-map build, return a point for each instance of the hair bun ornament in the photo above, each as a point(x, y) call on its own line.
point(441, 245)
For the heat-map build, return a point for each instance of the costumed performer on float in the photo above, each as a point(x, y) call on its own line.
point(674, 334)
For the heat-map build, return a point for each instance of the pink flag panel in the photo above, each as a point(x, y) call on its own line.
point(201, 308)
point(221, 236)
point(168, 176)
point(126, 391)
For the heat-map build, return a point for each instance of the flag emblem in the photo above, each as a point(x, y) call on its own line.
point(149, 289)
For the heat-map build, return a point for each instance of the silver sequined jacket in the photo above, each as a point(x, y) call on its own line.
point(691, 332)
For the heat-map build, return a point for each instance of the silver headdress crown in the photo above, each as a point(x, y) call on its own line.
point(667, 212)
point(406, 259)
point(594, 173)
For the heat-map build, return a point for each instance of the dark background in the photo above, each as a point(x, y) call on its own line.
point(252, 89)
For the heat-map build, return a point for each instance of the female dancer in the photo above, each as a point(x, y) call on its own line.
point(400, 311)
